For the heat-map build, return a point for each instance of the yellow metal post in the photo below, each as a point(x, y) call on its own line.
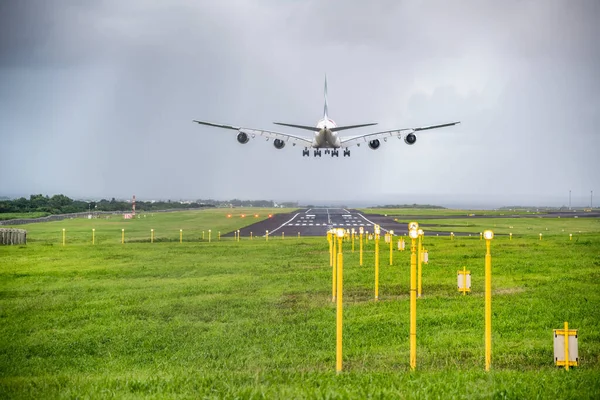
point(267, 236)
point(480, 235)
point(339, 309)
point(202, 235)
point(238, 232)
point(151, 235)
point(376, 267)
point(488, 306)
point(219, 236)
point(209, 234)
point(566, 345)
point(353, 241)
point(570, 236)
point(391, 249)
point(64, 236)
point(181, 236)
point(330, 248)
point(413, 304)
point(451, 235)
point(298, 235)
point(334, 270)
point(540, 236)
point(360, 244)
point(282, 235)
point(250, 235)
point(419, 264)
point(123, 236)
point(510, 236)
point(94, 236)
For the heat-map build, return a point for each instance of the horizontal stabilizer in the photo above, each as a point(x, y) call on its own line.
point(343, 128)
point(308, 128)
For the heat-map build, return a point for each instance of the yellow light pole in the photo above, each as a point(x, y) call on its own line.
point(451, 235)
point(391, 247)
point(330, 248)
point(353, 233)
point(334, 266)
point(123, 236)
point(209, 234)
point(413, 234)
point(480, 235)
point(510, 236)
point(219, 236)
point(420, 261)
point(151, 235)
point(298, 235)
point(238, 232)
point(282, 235)
point(202, 235)
point(266, 236)
point(181, 236)
point(339, 304)
point(570, 236)
point(360, 244)
point(489, 235)
point(377, 231)
point(94, 236)
point(250, 235)
point(540, 236)
point(64, 236)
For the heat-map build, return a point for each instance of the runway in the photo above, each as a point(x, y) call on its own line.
point(317, 221)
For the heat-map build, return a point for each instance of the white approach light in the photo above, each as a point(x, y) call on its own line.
point(391, 232)
point(420, 232)
point(340, 233)
point(377, 229)
point(361, 230)
point(488, 235)
point(413, 225)
point(413, 234)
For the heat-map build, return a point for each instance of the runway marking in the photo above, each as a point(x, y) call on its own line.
point(310, 224)
point(306, 212)
point(282, 225)
point(346, 211)
point(365, 218)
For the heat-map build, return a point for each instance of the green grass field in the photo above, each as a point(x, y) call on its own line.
point(254, 319)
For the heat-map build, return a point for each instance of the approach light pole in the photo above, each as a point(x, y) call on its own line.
point(488, 235)
point(377, 230)
point(419, 261)
point(361, 230)
point(339, 305)
point(413, 234)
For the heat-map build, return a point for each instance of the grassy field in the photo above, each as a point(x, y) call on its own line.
point(254, 319)
point(7, 216)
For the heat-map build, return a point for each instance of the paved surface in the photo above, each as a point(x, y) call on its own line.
point(317, 221)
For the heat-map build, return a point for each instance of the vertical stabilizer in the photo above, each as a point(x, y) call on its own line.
point(325, 108)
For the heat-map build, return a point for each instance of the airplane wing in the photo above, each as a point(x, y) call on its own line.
point(357, 140)
point(286, 137)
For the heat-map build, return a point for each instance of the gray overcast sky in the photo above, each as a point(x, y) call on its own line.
point(97, 99)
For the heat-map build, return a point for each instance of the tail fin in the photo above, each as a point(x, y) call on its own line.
point(325, 108)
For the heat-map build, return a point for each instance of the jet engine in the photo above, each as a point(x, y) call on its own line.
point(374, 144)
point(242, 137)
point(410, 139)
point(279, 144)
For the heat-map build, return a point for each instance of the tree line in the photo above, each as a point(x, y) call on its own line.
point(61, 204)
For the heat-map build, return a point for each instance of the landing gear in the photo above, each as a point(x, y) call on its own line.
point(305, 153)
point(335, 153)
point(327, 151)
point(317, 153)
point(346, 153)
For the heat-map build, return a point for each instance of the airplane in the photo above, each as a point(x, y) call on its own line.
point(326, 135)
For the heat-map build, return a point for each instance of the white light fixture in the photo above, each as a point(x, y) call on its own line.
point(413, 225)
point(413, 234)
point(488, 235)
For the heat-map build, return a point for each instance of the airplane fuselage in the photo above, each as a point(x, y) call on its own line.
point(324, 137)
